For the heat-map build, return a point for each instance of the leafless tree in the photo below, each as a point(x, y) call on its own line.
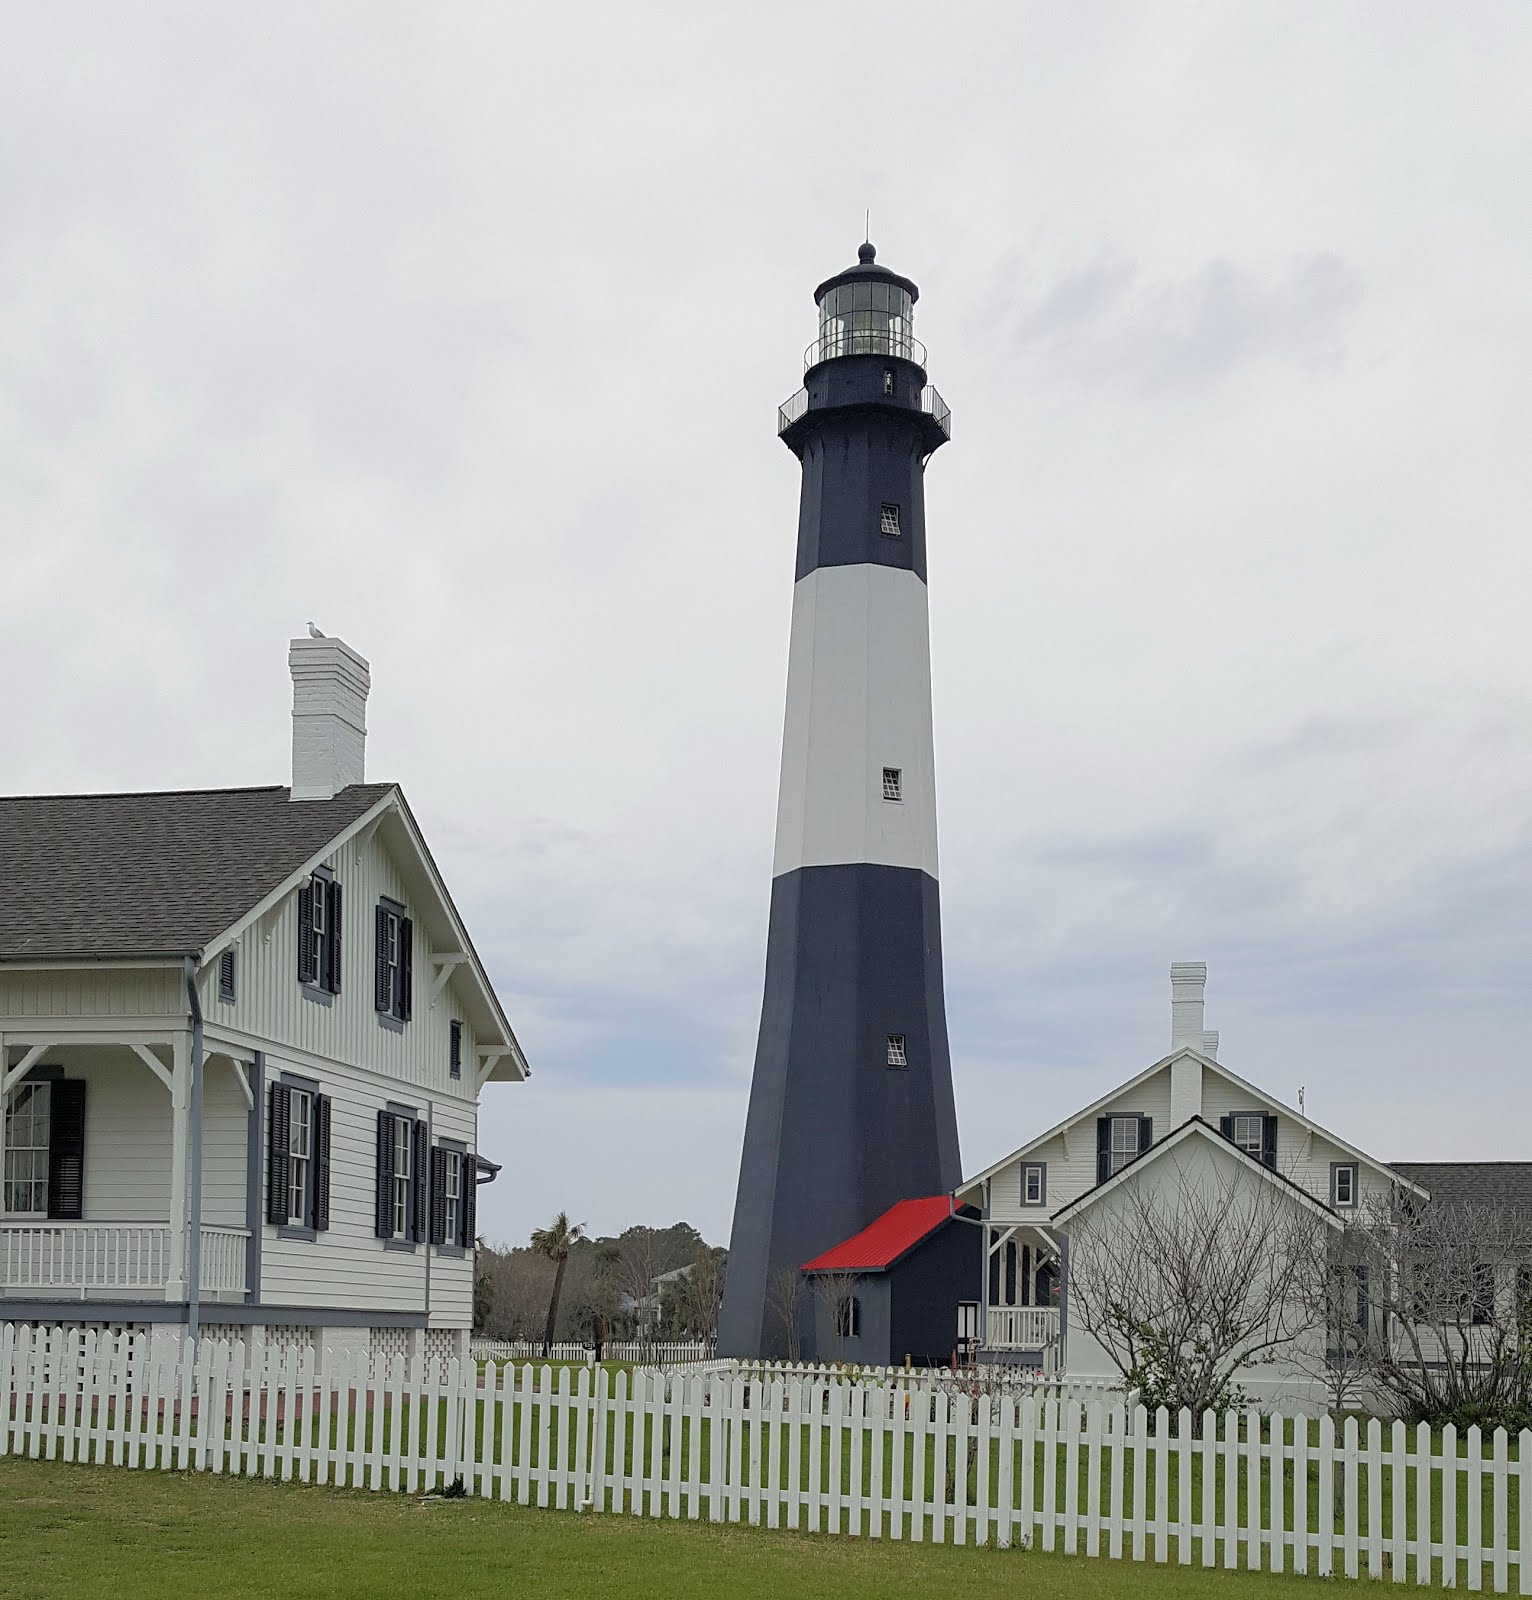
point(704, 1293)
point(1188, 1281)
point(634, 1275)
point(783, 1290)
point(836, 1295)
point(1451, 1282)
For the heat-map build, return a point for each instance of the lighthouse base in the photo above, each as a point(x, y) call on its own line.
point(838, 1129)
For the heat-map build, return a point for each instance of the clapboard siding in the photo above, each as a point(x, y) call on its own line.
point(1072, 1162)
point(225, 1143)
point(271, 1005)
point(347, 1265)
point(93, 992)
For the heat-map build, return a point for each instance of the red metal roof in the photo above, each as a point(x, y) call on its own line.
point(881, 1243)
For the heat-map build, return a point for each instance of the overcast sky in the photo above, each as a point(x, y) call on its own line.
point(460, 329)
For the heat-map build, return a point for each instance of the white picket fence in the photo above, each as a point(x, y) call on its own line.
point(1098, 1479)
point(654, 1353)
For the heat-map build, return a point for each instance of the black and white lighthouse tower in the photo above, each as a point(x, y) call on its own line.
point(851, 1104)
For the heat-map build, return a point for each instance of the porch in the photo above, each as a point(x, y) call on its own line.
point(111, 1261)
point(100, 1139)
point(1022, 1286)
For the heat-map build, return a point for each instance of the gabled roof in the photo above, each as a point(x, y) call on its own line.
point(1484, 1183)
point(1195, 1128)
point(1209, 1064)
point(117, 876)
point(122, 877)
point(881, 1243)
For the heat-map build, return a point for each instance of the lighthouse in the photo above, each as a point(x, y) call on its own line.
point(851, 1106)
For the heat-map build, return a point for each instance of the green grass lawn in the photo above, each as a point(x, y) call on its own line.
point(108, 1533)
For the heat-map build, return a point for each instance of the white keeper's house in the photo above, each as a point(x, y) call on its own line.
point(1187, 1117)
point(243, 1034)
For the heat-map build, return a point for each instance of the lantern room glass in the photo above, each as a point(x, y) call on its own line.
point(866, 318)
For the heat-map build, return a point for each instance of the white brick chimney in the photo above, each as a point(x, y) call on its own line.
point(1188, 981)
point(330, 684)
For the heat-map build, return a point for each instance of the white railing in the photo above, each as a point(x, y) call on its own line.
point(112, 1258)
point(1237, 1490)
point(1021, 1327)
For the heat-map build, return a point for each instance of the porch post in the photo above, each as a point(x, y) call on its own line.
point(180, 1147)
point(1063, 1301)
point(5, 1100)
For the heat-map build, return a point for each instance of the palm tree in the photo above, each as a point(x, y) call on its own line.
point(554, 1242)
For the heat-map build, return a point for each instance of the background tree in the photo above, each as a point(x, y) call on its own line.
point(555, 1242)
point(1186, 1282)
point(704, 1292)
point(1451, 1282)
point(840, 1307)
point(784, 1290)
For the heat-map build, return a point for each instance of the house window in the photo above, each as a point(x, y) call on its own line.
point(26, 1151)
point(897, 1055)
point(454, 1197)
point(888, 521)
point(298, 1157)
point(892, 783)
point(403, 1172)
point(300, 1154)
point(393, 960)
point(1343, 1184)
point(319, 933)
point(1124, 1143)
point(226, 977)
point(455, 1048)
point(1248, 1132)
point(848, 1317)
point(1034, 1183)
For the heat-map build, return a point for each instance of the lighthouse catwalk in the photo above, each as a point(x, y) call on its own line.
point(851, 1104)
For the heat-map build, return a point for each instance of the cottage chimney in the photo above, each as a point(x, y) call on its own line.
point(330, 684)
point(1188, 981)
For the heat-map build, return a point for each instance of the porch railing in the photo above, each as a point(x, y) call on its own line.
point(81, 1258)
point(1021, 1327)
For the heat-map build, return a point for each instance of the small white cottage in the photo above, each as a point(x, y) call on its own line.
point(243, 1034)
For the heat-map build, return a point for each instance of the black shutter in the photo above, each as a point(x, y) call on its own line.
point(421, 1195)
point(439, 1159)
point(1145, 1133)
point(332, 934)
point(308, 956)
point(406, 968)
point(1226, 1127)
point(1269, 1141)
point(66, 1149)
point(470, 1206)
point(278, 1154)
point(1103, 1149)
point(321, 1162)
point(385, 1195)
point(382, 987)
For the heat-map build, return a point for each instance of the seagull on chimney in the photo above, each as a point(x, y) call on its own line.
point(314, 632)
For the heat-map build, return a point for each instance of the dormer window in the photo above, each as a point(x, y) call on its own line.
point(1248, 1134)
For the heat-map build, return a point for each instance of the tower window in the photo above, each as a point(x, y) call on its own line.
point(892, 784)
point(889, 522)
point(897, 1055)
point(888, 380)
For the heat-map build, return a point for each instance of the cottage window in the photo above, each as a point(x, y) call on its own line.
point(403, 1172)
point(300, 1155)
point(848, 1317)
point(893, 783)
point(393, 960)
point(1249, 1134)
point(454, 1213)
point(1124, 1146)
point(26, 1151)
point(319, 933)
point(1034, 1183)
point(1343, 1184)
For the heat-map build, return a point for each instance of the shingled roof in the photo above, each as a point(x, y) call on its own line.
point(124, 875)
point(1486, 1183)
